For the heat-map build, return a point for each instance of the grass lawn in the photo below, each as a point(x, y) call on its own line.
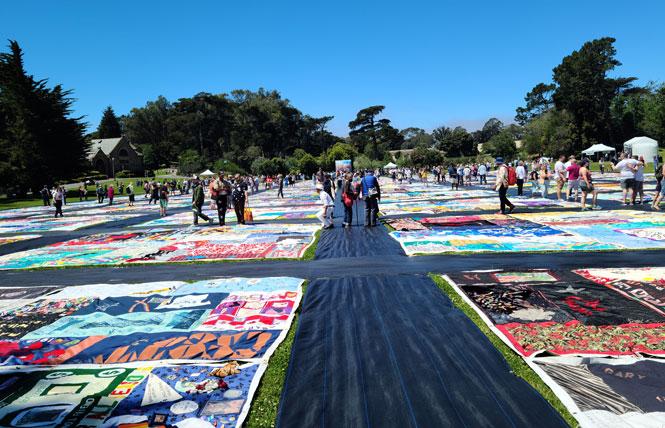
point(647, 169)
point(516, 363)
point(263, 411)
point(310, 252)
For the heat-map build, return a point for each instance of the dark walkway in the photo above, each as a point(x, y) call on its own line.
point(393, 351)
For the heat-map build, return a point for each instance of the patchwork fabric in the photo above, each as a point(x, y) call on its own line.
point(239, 321)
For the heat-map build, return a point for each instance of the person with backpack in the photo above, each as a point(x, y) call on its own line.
point(100, 194)
point(348, 198)
point(371, 193)
point(504, 176)
point(46, 196)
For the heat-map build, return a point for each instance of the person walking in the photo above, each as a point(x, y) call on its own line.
point(586, 185)
point(46, 196)
point(154, 192)
point(58, 198)
point(348, 197)
point(371, 192)
point(280, 189)
point(110, 192)
point(100, 194)
point(130, 194)
point(239, 198)
point(163, 199)
point(520, 172)
point(660, 188)
point(325, 215)
point(501, 186)
point(223, 189)
point(198, 198)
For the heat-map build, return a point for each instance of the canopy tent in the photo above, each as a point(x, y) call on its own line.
point(390, 165)
point(642, 146)
point(207, 173)
point(598, 148)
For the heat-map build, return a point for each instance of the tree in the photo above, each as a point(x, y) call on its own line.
point(416, 137)
point(190, 162)
point(424, 156)
point(109, 126)
point(538, 101)
point(340, 151)
point(584, 90)
point(501, 144)
point(374, 136)
point(39, 140)
point(307, 164)
point(551, 134)
point(456, 142)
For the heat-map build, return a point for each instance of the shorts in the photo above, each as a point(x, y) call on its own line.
point(131, 198)
point(638, 186)
point(163, 203)
point(573, 184)
point(628, 183)
point(584, 187)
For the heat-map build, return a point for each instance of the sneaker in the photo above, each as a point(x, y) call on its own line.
point(596, 207)
point(585, 209)
point(210, 221)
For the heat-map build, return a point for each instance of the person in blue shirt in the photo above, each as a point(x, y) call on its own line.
point(371, 193)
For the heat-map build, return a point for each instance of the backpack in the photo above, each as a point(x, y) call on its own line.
point(512, 176)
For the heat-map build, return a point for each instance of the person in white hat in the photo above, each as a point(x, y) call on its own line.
point(325, 215)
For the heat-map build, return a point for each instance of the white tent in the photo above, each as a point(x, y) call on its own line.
point(390, 165)
point(207, 173)
point(598, 148)
point(642, 146)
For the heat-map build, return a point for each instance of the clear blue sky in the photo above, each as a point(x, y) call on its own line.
point(430, 63)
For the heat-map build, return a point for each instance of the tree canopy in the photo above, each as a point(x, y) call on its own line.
point(39, 139)
point(109, 126)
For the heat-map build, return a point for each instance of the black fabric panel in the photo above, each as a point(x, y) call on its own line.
point(393, 351)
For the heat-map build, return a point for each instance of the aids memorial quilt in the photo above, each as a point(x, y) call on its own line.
point(162, 245)
point(112, 349)
point(607, 392)
point(562, 231)
point(49, 223)
point(564, 312)
point(16, 238)
point(192, 395)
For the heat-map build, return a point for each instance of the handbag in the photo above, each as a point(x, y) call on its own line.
point(249, 216)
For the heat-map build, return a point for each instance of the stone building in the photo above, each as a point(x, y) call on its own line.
point(111, 155)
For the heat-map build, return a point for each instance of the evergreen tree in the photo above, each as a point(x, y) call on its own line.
point(39, 140)
point(109, 126)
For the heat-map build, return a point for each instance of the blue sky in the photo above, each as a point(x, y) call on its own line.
point(430, 63)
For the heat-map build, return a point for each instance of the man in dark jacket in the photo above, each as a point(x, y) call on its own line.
point(198, 197)
point(372, 195)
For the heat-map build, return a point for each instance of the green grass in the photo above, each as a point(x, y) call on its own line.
point(263, 411)
point(8, 204)
point(647, 169)
point(310, 252)
point(516, 363)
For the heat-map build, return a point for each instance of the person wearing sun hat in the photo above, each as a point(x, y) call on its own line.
point(501, 186)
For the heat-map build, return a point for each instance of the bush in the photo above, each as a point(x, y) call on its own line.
point(228, 167)
point(123, 174)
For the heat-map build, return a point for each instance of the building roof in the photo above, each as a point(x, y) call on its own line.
point(106, 145)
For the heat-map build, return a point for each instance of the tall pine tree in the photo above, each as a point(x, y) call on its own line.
point(109, 127)
point(39, 140)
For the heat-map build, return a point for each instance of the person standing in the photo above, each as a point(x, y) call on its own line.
point(501, 186)
point(46, 196)
point(371, 192)
point(130, 193)
point(520, 172)
point(560, 176)
point(154, 192)
point(198, 198)
point(660, 188)
point(82, 193)
point(329, 186)
point(325, 215)
point(586, 185)
point(100, 194)
point(482, 173)
point(544, 177)
point(627, 167)
point(239, 198)
point(110, 192)
point(163, 199)
point(601, 165)
point(348, 197)
point(573, 178)
point(639, 180)
point(58, 198)
point(223, 189)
